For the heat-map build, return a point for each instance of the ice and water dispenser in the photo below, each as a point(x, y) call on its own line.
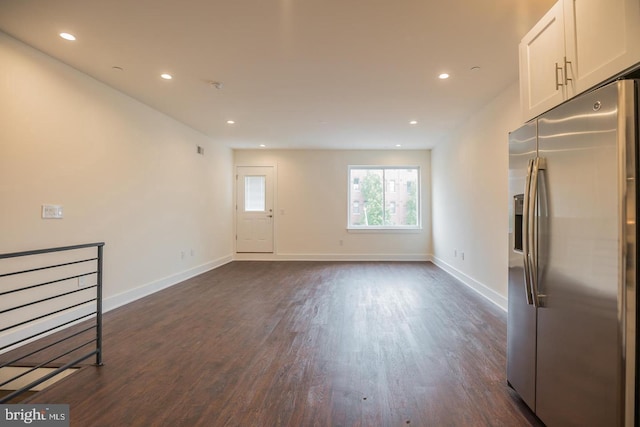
point(518, 204)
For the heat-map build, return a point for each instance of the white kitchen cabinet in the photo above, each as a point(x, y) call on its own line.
point(542, 53)
point(576, 46)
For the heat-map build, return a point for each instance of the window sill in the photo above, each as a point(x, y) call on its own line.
point(392, 230)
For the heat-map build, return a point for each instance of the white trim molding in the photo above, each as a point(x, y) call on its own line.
point(131, 295)
point(482, 289)
point(330, 257)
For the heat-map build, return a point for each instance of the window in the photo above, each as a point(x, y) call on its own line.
point(378, 202)
point(254, 193)
point(391, 186)
point(410, 185)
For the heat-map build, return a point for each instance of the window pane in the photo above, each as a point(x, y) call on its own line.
point(372, 196)
point(254, 194)
point(408, 207)
point(384, 197)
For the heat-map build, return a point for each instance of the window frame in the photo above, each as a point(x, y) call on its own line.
point(384, 228)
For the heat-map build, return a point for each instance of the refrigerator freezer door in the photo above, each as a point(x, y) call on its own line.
point(579, 363)
point(521, 324)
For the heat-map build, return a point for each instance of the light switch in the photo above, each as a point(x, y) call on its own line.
point(52, 211)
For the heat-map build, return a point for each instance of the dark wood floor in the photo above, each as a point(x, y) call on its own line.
point(301, 344)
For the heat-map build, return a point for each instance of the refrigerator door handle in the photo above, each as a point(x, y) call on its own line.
point(540, 163)
point(525, 233)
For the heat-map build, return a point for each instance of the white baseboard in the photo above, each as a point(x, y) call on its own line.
point(108, 303)
point(131, 295)
point(330, 257)
point(480, 288)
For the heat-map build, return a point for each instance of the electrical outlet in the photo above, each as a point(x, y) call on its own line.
point(341, 242)
point(462, 255)
point(181, 254)
point(455, 253)
point(192, 252)
point(82, 281)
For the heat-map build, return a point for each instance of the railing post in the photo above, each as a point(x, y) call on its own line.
point(99, 309)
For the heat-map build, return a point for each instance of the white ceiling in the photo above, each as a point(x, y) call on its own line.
point(295, 73)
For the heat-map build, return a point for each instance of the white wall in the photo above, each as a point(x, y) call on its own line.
point(312, 190)
point(125, 174)
point(470, 201)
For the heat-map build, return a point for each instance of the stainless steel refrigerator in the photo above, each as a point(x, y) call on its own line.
point(571, 353)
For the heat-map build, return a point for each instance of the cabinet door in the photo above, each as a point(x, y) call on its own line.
point(542, 64)
point(605, 36)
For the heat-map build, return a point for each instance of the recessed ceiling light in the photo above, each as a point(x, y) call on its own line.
point(231, 122)
point(166, 76)
point(262, 145)
point(413, 122)
point(115, 67)
point(68, 36)
point(475, 68)
point(398, 145)
point(443, 76)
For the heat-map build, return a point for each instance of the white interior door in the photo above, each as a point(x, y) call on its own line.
point(254, 209)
